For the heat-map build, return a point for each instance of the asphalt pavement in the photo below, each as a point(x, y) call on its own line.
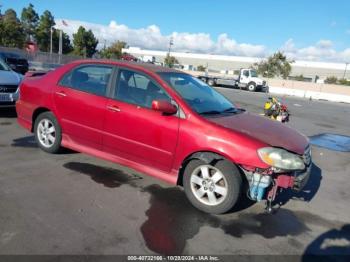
point(76, 204)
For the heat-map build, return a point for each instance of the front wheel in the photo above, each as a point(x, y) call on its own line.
point(212, 188)
point(252, 87)
point(48, 133)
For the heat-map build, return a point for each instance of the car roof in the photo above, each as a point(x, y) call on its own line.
point(135, 65)
point(8, 53)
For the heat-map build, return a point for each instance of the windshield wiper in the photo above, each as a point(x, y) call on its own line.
point(230, 110)
point(213, 112)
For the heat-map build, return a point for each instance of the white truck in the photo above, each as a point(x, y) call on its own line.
point(147, 59)
point(247, 79)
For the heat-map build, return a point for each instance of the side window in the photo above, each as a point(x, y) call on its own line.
point(138, 89)
point(91, 79)
point(246, 73)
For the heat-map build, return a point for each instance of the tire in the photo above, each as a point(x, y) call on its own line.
point(48, 134)
point(211, 82)
point(251, 87)
point(205, 194)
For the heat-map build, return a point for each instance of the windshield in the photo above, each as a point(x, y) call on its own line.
point(3, 66)
point(199, 96)
point(253, 73)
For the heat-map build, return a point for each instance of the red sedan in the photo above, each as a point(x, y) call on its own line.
point(167, 124)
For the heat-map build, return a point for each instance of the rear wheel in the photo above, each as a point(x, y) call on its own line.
point(211, 82)
point(48, 133)
point(212, 188)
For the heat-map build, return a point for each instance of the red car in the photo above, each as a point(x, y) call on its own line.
point(167, 124)
point(128, 57)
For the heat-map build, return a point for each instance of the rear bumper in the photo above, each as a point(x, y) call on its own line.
point(24, 115)
point(24, 123)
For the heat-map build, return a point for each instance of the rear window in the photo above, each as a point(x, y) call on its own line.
point(92, 79)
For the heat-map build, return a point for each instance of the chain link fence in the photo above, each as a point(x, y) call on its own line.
point(41, 60)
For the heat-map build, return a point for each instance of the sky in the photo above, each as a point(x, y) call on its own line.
point(304, 30)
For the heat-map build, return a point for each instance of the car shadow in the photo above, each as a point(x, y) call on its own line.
point(109, 177)
point(307, 193)
point(27, 142)
point(30, 142)
point(172, 220)
point(8, 112)
point(333, 245)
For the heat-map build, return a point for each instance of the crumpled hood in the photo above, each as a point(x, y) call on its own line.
point(267, 131)
point(9, 78)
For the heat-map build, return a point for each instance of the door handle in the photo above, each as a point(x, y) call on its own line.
point(61, 94)
point(113, 108)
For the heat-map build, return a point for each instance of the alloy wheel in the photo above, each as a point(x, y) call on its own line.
point(209, 185)
point(46, 133)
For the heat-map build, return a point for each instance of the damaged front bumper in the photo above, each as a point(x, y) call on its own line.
point(264, 185)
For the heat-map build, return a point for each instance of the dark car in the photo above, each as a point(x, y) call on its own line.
point(15, 61)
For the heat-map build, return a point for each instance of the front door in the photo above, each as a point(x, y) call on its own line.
point(244, 77)
point(133, 130)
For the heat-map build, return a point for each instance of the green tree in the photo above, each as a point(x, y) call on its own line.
point(275, 65)
point(299, 77)
point(84, 42)
point(11, 30)
point(331, 80)
point(170, 61)
point(1, 27)
point(114, 51)
point(344, 82)
point(201, 68)
point(29, 20)
point(43, 31)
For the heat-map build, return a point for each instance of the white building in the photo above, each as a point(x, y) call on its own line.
point(221, 63)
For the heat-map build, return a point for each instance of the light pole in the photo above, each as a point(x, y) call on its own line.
point(60, 47)
point(171, 42)
point(51, 31)
point(346, 67)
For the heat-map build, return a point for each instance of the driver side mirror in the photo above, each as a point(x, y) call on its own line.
point(164, 106)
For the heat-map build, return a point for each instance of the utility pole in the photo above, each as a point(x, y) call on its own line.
point(171, 42)
point(51, 32)
point(346, 67)
point(60, 47)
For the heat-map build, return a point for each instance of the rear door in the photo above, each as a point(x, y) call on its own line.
point(133, 130)
point(80, 100)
